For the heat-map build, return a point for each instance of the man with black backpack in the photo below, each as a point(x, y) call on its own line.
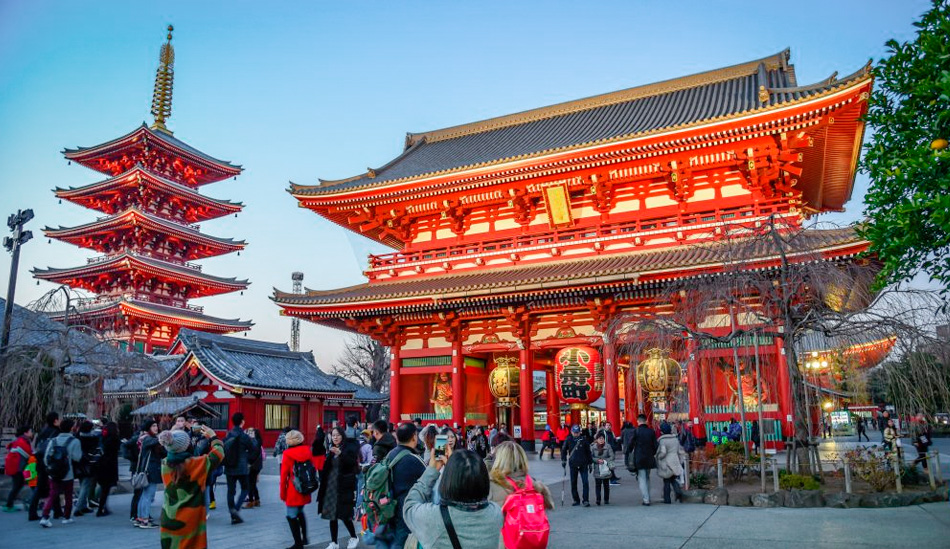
point(60, 454)
point(403, 467)
point(48, 433)
point(238, 447)
point(578, 457)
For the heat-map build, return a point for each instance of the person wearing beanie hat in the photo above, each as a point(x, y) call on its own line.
point(577, 457)
point(296, 452)
point(185, 476)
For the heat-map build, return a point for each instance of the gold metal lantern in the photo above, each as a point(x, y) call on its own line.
point(659, 374)
point(504, 382)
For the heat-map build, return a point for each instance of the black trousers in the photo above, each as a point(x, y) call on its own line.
point(233, 505)
point(582, 471)
point(335, 529)
point(136, 495)
point(18, 482)
point(675, 485)
point(863, 433)
point(252, 493)
point(605, 484)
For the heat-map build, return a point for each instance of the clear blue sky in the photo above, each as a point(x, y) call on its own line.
point(301, 90)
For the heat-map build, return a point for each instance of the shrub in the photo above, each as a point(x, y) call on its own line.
point(699, 481)
point(871, 468)
point(801, 482)
point(912, 476)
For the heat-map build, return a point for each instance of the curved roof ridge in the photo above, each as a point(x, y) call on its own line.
point(141, 169)
point(775, 61)
point(135, 211)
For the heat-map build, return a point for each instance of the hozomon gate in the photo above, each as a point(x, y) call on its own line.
point(525, 234)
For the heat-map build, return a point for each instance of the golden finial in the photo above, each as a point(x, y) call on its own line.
point(164, 81)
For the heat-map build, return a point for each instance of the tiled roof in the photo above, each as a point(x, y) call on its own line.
point(140, 381)
point(174, 406)
point(618, 267)
point(135, 306)
point(676, 103)
point(265, 365)
point(168, 138)
point(87, 354)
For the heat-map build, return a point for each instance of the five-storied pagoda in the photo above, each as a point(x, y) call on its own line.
point(519, 238)
point(149, 234)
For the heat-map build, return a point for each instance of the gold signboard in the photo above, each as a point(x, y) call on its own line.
point(558, 203)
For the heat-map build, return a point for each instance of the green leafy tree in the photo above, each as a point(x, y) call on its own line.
point(908, 203)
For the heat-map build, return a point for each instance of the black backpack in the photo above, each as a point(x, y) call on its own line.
point(57, 460)
point(306, 479)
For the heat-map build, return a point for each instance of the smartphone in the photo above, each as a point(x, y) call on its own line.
point(440, 442)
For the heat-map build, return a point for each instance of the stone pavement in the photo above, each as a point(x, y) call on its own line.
point(625, 523)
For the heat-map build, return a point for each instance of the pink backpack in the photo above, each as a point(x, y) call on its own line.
point(526, 523)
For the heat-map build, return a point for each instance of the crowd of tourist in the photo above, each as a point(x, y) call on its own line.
point(396, 486)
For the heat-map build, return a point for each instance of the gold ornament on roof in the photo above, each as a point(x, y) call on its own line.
point(504, 382)
point(658, 374)
point(164, 82)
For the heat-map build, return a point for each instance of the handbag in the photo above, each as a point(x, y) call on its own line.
point(603, 469)
point(449, 527)
point(140, 478)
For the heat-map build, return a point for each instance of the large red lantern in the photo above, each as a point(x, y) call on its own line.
point(580, 375)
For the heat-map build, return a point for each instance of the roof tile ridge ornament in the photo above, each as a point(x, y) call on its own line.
point(772, 62)
point(164, 83)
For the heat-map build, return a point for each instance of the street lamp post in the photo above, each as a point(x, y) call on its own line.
point(12, 244)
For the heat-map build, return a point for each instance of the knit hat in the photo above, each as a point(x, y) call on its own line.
point(294, 438)
point(174, 441)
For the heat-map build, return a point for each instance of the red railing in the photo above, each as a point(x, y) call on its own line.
point(564, 237)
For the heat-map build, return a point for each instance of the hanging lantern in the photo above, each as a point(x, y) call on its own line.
point(579, 375)
point(659, 374)
point(504, 381)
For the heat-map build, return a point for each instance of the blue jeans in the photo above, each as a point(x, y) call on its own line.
point(293, 512)
point(360, 480)
point(235, 506)
point(401, 534)
point(86, 486)
point(146, 499)
point(209, 487)
point(643, 479)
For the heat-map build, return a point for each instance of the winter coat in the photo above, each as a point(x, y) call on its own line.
point(603, 454)
point(641, 450)
point(89, 442)
point(405, 474)
point(281, 445)
point(42, 443)
point(246, 447)
point(107, 470)
point(288, 494)
point(668, 456)
point(500, 491)
point(73, 449)
point(183, 522)
point(150, 459)
point(383, 446)
point(337, 494)
point(18, 455)
point(578, 450)
point(480, 529)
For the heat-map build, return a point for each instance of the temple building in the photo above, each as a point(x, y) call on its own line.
point(519, 239)
point(149, 235)
point(215, 376)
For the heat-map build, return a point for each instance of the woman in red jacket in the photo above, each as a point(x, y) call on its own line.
point(295, 501)
point(19, 454)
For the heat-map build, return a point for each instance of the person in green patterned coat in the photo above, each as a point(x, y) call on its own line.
point(183, 522)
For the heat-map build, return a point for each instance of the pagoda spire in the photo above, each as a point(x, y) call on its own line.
point(164, 81)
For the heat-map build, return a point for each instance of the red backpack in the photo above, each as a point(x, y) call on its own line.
point(526, 523)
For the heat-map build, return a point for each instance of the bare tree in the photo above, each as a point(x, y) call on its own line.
point(365, 361)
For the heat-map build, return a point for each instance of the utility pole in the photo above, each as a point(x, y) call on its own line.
point(297, 278)
point(12, 244)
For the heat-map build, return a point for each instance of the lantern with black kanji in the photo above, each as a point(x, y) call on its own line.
point(658, 375)
point(579, 375)
point(504, 381)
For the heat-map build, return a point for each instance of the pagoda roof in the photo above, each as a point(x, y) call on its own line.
point(174, 406)
point(133, 217)
point(211, 285)
point(553, 277)
point(85, 195)
point(222, 169)
point(248, 364)
point(163, 314)
point(679, 103)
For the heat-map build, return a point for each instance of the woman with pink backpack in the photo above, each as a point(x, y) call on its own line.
point(522, 499)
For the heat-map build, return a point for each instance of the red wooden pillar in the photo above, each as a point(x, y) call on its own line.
point(553, 400)
point(694, 385)
point(631, 397)
point(612, 388)
point(786, 409)
point(394, 400)
point(458, 385)
point(527, 399)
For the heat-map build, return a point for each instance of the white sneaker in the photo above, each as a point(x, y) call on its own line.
point(68, 521)
point(333, 546)
point(45, 523)
point(352, 543)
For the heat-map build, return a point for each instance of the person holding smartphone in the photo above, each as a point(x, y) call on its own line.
point(185, 476)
